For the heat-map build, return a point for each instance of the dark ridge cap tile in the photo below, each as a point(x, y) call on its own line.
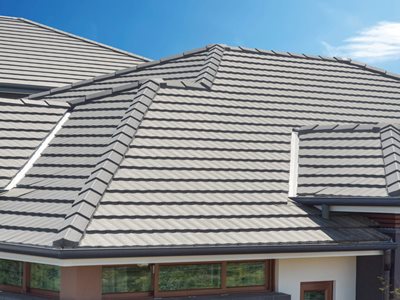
point(394, 75)
point(148, 64)
point(347, 127)
point(195, 51)
point(67, 238)
point(55, 103)
point(61, 88)
point(326, 127)
point(39, 95)
point(281, 53)
point(34, 102)
point(77, 101)
point(328, 58)
point(83, 209)
point(305, 128)
point(337, 127)
point(173, 84)
point(126, 70)
point(311, 56)
point(171, 57)
point(297, 55)
point(104, 76)
point(104, 93)
point(262, 51)
point(375, 69)
point(125, 87)
point(82, 82)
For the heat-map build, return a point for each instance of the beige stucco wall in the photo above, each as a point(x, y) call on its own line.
point(342, 270)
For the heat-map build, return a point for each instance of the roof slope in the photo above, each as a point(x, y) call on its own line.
point(196, 156)
point(43, 57)
point(352, 160)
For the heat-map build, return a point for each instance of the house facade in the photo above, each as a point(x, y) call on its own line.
point(221, 172)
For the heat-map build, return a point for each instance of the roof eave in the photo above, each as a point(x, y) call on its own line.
point(361, 201)
point(95, 252)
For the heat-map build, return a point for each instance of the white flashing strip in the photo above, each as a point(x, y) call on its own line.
point(21, 174)
point(294, 164)
point(366, 209)
point(178, 259)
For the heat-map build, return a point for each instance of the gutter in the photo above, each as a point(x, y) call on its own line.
point(365, 201)
point(97, 252)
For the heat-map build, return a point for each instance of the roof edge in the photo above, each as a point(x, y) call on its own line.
point(348, 61)
point(104, 252)
point(144, 59)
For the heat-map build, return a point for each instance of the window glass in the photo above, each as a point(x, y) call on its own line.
point(187, 277)
point(11, 272)
point(45, 277)
point(126, 279)
point(314, 295)
point(245, 274)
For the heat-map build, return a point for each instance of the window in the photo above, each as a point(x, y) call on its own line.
point(241, 274)
point(321, 290)
point(125, 279)
point(11, 272)
point(188, 277)
point(45, 277)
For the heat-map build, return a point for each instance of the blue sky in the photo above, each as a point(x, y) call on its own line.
point(367, 30)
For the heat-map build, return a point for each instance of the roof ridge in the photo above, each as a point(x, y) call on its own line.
point(214, 58)
point(340, 127)
point(145, 59)
point(390, 144)
point(77, 219)
point(348, 61)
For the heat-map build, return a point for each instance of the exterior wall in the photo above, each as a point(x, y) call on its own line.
point(341, 270)
point(83, 283)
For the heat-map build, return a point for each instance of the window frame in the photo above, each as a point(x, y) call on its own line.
point(15, 288)
point(128, 295)
point(326, 286)
point(267, 287)
point(26, 289)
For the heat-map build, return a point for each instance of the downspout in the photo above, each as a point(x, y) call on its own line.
point(387, 260)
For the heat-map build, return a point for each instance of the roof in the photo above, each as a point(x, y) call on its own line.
point(35, 56)
point(193, 152)
point(358, 161)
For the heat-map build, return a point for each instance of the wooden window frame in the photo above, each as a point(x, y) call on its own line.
point(326, 286)
point(25, 287)
point(128, 295)
point(19, 289)
point(35, 291)
point(267, 287)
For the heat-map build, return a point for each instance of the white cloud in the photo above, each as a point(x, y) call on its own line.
point(377, 43)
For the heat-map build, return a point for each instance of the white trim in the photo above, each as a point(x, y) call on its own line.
point(21, 174)
point(366, 209)
point(177, 259)
point(294, 164)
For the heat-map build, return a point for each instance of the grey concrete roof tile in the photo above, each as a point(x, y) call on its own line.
point(51, 49)
point(221, 152)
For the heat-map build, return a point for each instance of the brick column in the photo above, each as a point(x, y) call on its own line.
point(83, 283)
